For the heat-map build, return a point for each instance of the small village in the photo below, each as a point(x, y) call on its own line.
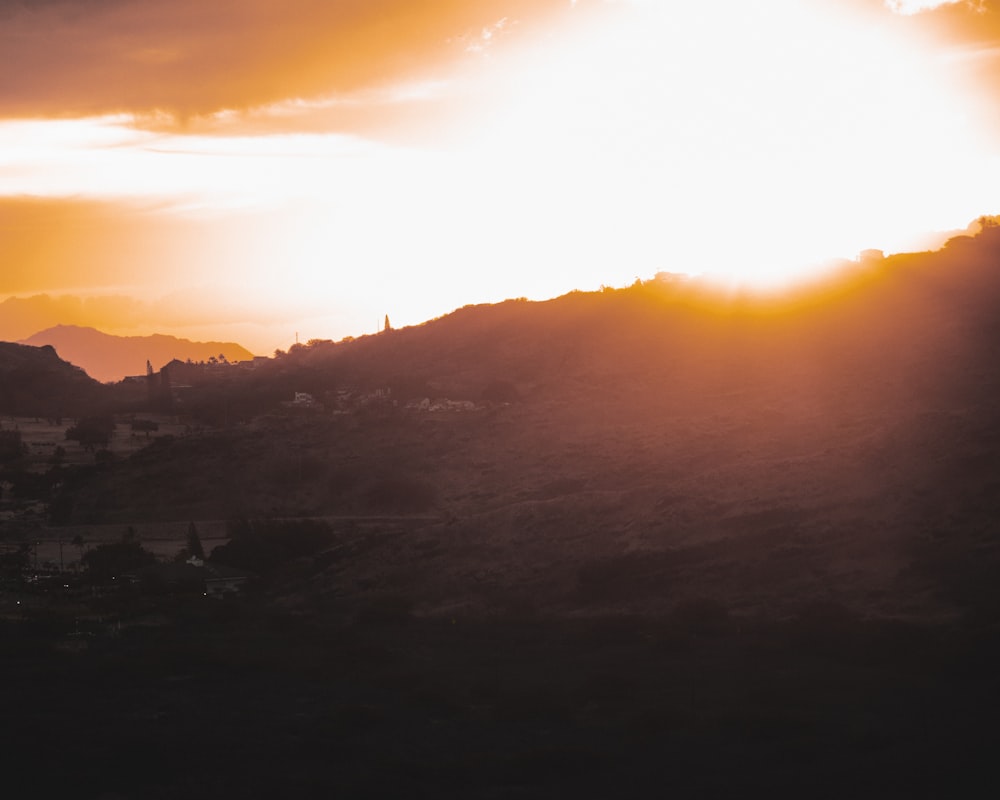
point(96, 578)
point(81, 590)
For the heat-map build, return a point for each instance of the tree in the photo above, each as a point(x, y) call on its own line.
point(92, 432)
point(193, 548)
point(14, 562)
point(387, 326)
point(194, 542)
point(108, 561)
point(145, 425)
point(80, 544)
point(12, 447)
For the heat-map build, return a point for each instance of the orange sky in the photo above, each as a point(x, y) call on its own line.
point(249, 169)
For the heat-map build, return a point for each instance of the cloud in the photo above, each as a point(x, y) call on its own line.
point(909, 7)
point(972, 31)
point(188, 58)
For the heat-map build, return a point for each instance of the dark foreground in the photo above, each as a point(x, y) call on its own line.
point(231, 699)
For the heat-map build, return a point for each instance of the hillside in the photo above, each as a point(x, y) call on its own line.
point(632, 448)
point(34, 381)
point(633, 543)
point(110, 358)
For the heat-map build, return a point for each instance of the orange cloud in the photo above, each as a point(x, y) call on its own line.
point(969, 33)
point(187, 57)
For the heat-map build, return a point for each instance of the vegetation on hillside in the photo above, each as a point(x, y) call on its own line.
point(651, 532)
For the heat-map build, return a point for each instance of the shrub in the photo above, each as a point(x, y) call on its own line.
point(92, 432)
point(108, 561)
point(12, 447)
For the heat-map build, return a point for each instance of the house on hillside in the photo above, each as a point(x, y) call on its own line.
point(303, 402)
point(869, 256)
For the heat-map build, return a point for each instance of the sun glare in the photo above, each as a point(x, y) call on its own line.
point(749, 141)
point(743, 142)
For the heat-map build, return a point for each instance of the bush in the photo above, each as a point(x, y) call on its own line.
point(92, 432)
point(108, 561)
point(12, 447)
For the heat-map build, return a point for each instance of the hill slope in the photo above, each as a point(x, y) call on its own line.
point(661, 447)
point(111, 358)
point(34, 381)
point(675, 546)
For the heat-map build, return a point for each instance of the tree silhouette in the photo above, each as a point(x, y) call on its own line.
point(146, 425)
point(92, 432)
point(11, 446)
point(80, 543)
point(194, 542)
point(108, 561)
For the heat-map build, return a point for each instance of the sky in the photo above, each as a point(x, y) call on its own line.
point(257, 171)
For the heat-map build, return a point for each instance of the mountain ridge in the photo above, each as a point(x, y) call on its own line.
point(760, 453)
point(107, 357)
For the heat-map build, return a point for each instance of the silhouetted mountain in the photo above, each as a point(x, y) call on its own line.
point(668, 342)
point(34, 381)
point(850, 431)
point(111, 358)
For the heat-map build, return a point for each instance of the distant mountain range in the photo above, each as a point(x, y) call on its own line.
point(110, 358)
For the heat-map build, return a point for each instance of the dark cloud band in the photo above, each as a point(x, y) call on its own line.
point(188, 57)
